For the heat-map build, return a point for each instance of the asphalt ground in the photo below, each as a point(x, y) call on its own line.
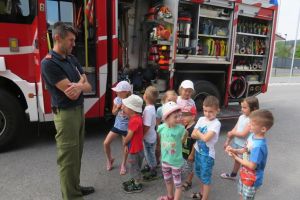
point(28, 170)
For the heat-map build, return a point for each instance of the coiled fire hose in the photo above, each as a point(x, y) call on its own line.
point(237, 87)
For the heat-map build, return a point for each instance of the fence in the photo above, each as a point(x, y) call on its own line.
point(282, 66)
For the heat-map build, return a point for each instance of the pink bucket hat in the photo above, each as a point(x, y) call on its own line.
point(169, 108)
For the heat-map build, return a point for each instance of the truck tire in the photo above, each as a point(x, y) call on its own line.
point(12, 118)
point(202, 90)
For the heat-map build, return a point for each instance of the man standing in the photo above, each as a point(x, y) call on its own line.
point(66, 82)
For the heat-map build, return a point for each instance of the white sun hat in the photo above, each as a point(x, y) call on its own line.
point(187, 84)
point(134, 102)
point(169, 108)
point(122, 86)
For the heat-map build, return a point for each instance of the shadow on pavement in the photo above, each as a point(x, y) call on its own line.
point(36, 134)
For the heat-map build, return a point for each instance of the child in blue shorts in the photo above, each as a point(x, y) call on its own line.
point(254, 154)
point(123, 90)
point(206, 133)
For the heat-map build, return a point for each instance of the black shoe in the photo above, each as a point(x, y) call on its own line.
point(150, 176)
point(87, 190)
point(126, 183)
point(146, 169)
point(133, 188)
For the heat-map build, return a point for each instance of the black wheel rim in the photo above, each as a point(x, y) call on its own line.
point(2, 122)
point(199, 98)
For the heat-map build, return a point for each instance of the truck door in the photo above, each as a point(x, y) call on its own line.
point(74, 13)
point(18, 67)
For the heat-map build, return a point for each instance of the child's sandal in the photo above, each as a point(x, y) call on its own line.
point(186, 186)
point(123, 170)
point(196, 195)
point(109, 164)
point(165, 198)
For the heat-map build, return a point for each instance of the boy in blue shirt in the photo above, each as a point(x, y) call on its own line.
point(254, 154)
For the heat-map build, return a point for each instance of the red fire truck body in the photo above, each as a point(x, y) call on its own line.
point(116, 36)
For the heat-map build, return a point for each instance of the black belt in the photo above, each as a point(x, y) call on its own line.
point(55, 110)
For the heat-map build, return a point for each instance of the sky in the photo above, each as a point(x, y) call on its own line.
point(52, 12)
point(288, 17)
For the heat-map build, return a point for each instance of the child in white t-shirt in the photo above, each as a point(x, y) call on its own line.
point(186, 90)
point(150, 137)
point(206, 133)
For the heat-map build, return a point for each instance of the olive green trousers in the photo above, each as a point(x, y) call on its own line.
point(69, 124)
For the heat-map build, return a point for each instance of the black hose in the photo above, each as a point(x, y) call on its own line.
point(237, 87)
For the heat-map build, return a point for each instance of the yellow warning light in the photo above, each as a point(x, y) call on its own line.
point(13, 44)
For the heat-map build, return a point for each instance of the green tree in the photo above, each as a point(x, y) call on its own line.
point(284, 49)
point(297, 53)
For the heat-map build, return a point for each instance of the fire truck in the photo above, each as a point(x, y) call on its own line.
point(224, 46)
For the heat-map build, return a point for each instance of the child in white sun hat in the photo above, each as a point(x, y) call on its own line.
point(171, 134)
point(186, 91)
point(123, 90)
point(133, 142)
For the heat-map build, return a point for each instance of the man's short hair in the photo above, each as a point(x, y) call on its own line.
point(211, 101)
point(263, 117)
point(62, 29)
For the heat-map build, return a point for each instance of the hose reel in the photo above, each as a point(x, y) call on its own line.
point(238, 87)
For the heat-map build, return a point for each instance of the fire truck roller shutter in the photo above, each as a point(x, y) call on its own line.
point(12, 118)
point(202, 90)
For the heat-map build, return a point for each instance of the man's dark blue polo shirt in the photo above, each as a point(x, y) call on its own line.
point(56, 68)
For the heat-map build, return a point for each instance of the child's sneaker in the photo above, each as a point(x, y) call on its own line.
point(228, 176)
point(126, 183)
point(145, 169)
point(133, 188)
point(150, 176)
point(186, 186)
